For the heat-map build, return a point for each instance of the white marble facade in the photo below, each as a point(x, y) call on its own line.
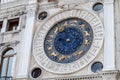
point(22, 39)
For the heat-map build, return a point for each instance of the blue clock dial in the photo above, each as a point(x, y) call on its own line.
point(68, 40)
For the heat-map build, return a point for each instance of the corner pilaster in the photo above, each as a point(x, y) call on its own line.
point(109, 42)
point(26, 43)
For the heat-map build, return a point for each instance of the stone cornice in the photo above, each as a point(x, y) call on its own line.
point(12, 12)
point(48, 6)
point(82, 1)
point(16, 11)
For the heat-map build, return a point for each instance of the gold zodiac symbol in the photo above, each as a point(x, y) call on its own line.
point(50, 48)
point(79, 53)
point(87, 42)
point(49, 40)
point(82, 26)
point(54, 54)
point(56, 30)
point(52, 36)
point(62, 58)
point(86, 33)
point(63, 27)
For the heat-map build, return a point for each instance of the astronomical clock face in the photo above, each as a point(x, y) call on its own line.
point(68, 41)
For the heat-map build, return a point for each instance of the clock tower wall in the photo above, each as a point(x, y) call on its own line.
point(61, 39)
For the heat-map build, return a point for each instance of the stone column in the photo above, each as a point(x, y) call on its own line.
point(26, 44)
point(4, 26)
point(109, 42)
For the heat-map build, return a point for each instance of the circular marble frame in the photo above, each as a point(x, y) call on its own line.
point(59, 68)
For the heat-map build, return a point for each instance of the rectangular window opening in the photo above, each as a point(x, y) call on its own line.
point(13, 24)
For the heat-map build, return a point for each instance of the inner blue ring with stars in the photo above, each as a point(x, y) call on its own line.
point(68, 40)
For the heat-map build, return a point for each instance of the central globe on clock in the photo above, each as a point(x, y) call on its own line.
point(68, 40)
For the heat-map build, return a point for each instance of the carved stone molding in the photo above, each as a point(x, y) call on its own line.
point(110, 75)
point(48, 6)
point(12, 12)
point(9, 43)
point(84, 1)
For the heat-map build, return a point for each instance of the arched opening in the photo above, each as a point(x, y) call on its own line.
point(6, 63)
